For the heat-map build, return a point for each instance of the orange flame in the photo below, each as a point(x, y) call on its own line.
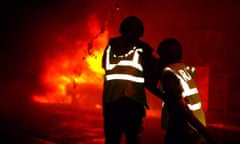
point(64, 74)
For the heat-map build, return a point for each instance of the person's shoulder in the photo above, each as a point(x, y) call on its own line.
point(117, 38)
point(169, 79)
point(143, 43)
point(168, 72)
point(176, 65)
point(145, 46)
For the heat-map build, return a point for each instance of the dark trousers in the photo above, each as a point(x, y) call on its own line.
point(123, 117)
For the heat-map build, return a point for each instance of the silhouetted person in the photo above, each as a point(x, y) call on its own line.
point(129, 65)
point(182, 113)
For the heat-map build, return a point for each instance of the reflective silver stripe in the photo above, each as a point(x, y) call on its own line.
point(192, 69)
point(187, 91)
point(194, 107)
point(185, 75)
point(124, 77)
point(108, 65)
point(163, 103)
point(132, 63)
point(127, 54)
point(190, 92)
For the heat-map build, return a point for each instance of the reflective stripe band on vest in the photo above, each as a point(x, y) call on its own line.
point(194, 107)
point(124, 77)
point(132, 63)
point(190, 92)
point(124, 62)
point(187, 91)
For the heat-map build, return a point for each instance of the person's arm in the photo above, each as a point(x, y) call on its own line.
point(155, 90)
point(152, 74)
point(152, 71)
point(104, 60)
point(197, 124)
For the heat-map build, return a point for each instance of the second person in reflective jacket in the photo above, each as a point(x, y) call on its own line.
point(183, 117)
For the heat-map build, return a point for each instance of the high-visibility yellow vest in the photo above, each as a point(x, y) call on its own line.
point(190, 92)
point(124, 75)
point(124, 67)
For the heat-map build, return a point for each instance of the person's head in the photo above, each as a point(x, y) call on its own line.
point(170, 51)
point(132, 26)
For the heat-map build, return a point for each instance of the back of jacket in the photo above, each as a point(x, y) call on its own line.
point(189, 92)
point(127, 63)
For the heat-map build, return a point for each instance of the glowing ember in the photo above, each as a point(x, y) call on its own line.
point(66, 74)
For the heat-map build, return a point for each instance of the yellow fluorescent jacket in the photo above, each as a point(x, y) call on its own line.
point(124, 76)
point(190, 92)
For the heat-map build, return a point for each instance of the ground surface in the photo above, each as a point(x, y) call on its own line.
point(69, 125)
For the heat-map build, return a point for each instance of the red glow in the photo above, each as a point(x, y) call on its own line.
point(66, 75)
point(77, 77)
point(202, 80)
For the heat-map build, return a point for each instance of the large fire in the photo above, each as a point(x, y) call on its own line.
point(78, 77)
point(65, 76)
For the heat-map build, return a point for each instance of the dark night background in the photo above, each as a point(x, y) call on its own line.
point(208, 29)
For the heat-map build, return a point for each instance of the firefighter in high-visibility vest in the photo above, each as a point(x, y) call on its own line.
point(183, 117)
point(129, 68)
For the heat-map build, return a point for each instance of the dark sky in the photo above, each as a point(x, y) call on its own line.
point(208, 30)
